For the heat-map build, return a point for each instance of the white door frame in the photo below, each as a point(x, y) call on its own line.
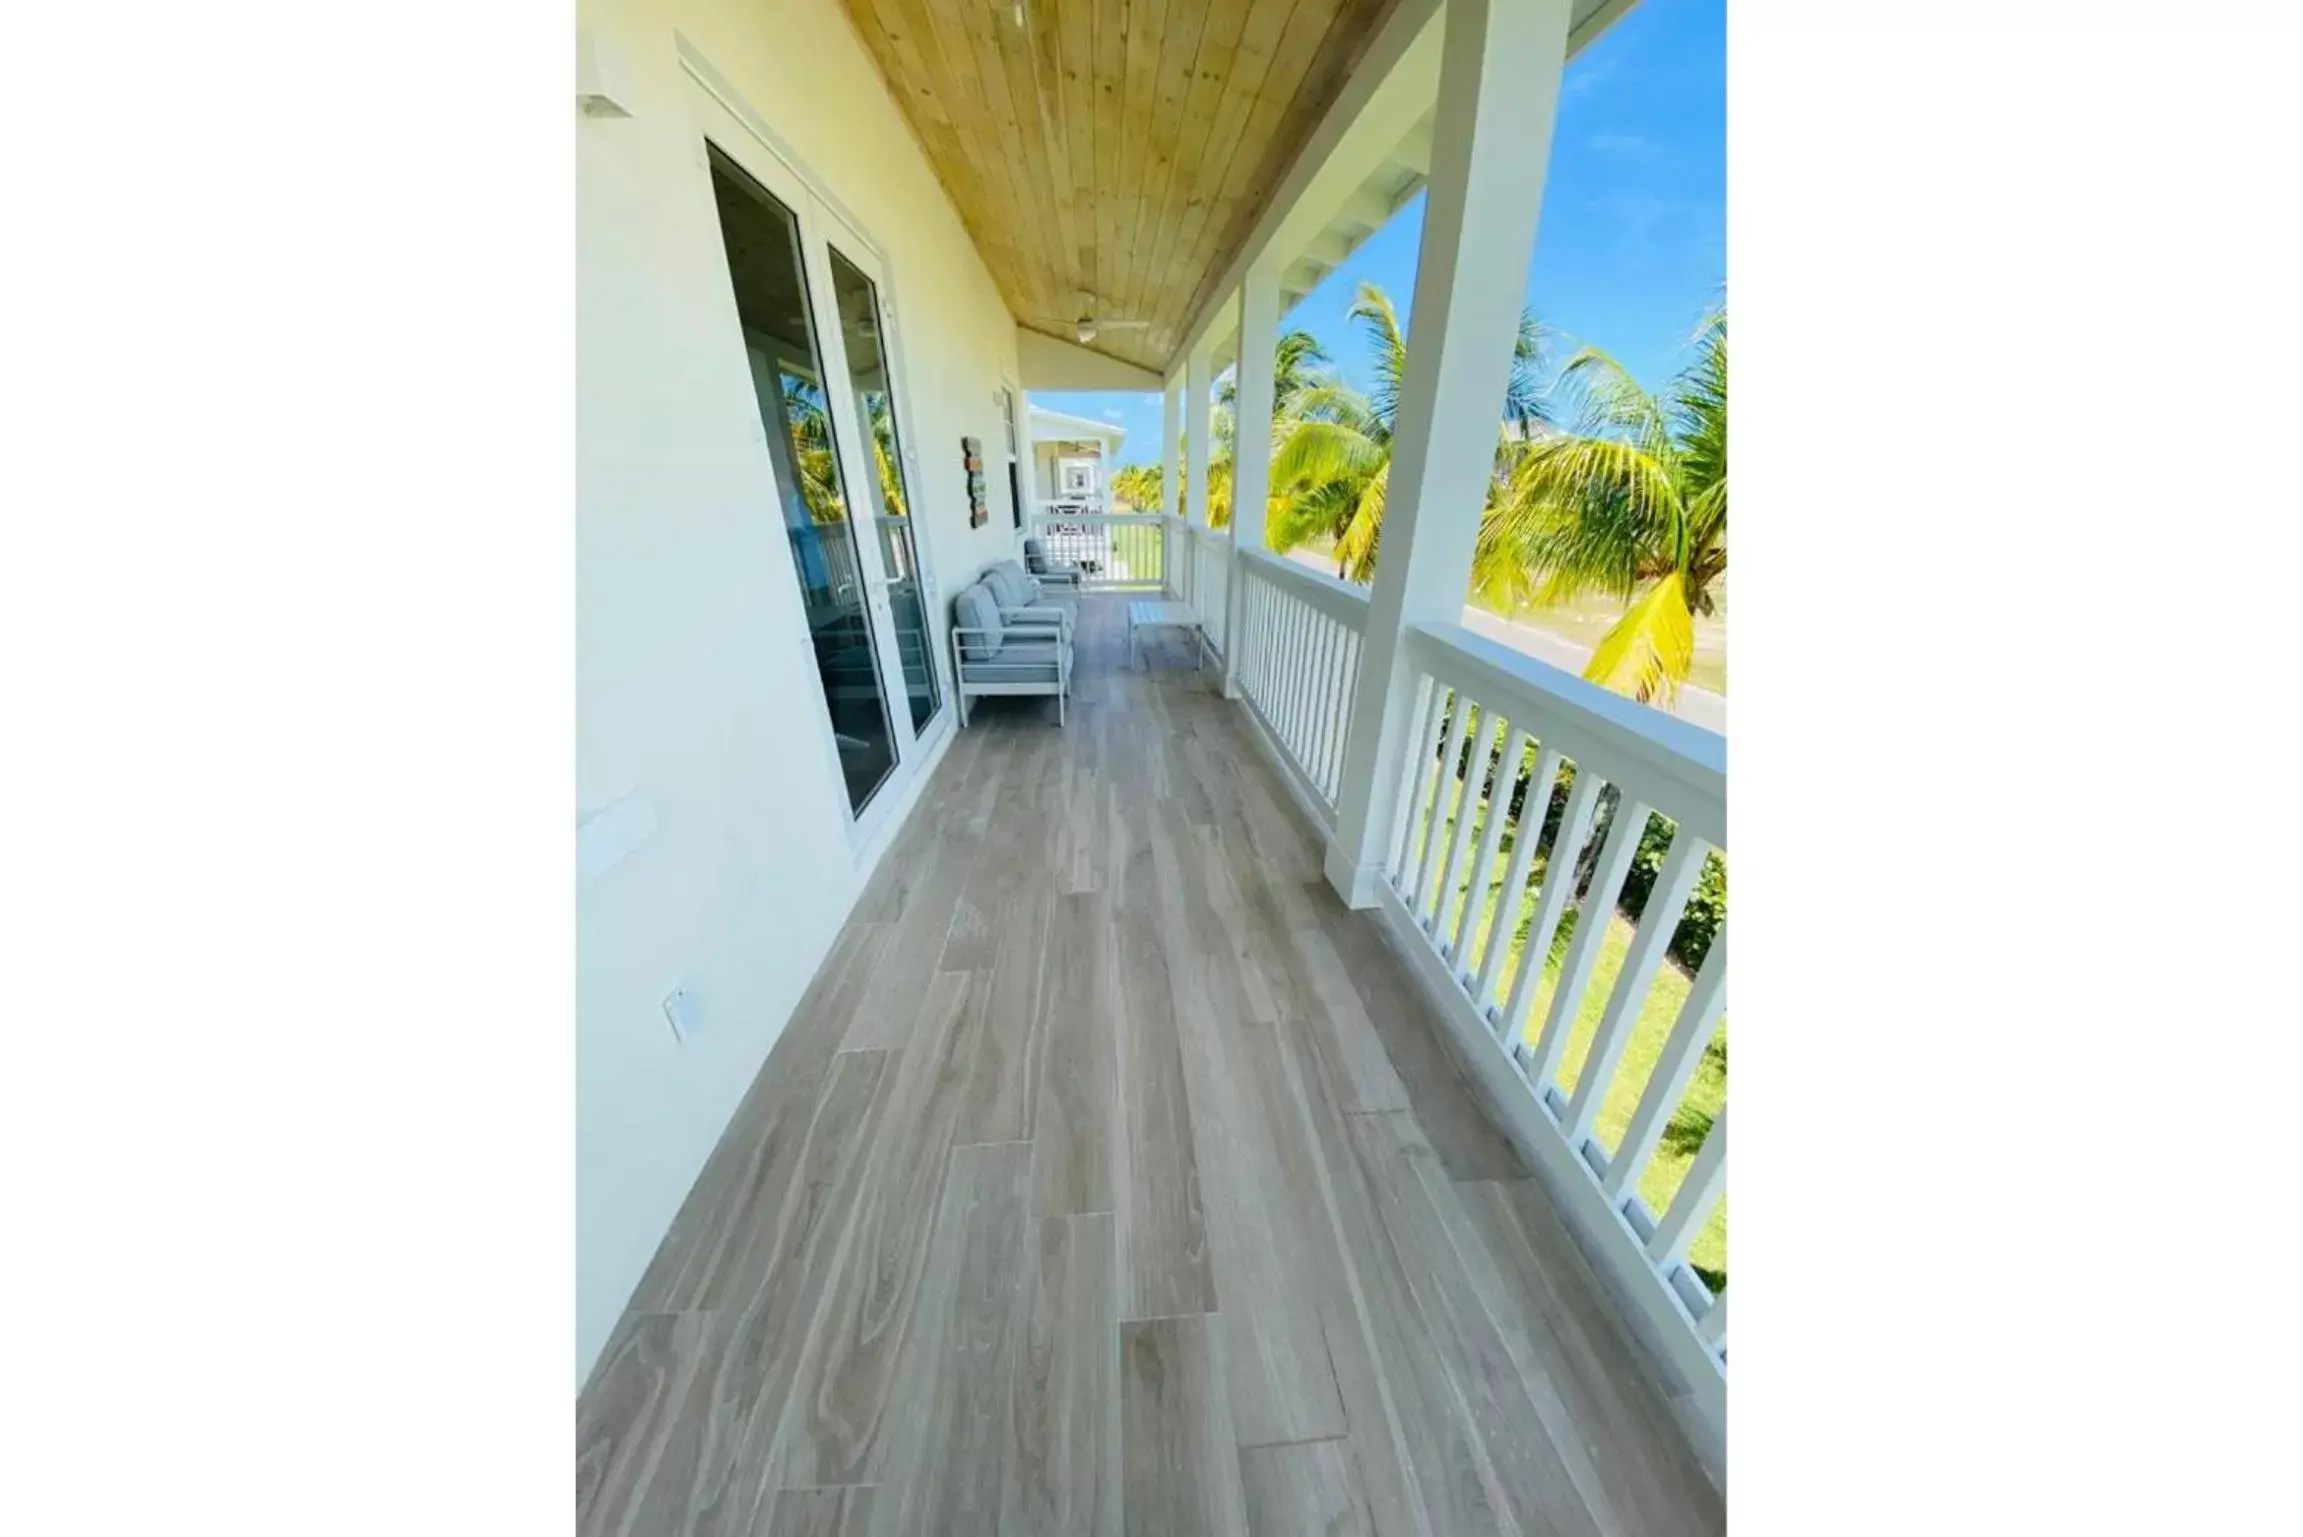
point(737, 133)
point(858, 250)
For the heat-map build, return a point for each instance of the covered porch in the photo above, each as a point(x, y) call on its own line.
point(1115, 1175)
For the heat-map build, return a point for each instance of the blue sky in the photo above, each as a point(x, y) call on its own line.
point(1632, 248)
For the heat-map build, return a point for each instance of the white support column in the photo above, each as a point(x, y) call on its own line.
point(1027, 464)
point(1500, 63)
point(1195, 431)
point(1179, 544)
point(1251, 450)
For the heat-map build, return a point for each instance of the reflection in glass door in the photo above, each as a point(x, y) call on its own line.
point(762, 238)
point(861, 331)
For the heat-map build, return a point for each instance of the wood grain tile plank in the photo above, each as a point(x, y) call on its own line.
point(845, 1511)
point(1002, 1094)
point(758, 1152)
point(946, 1466)
point(1540, 1484)
point(1180, 1466)
point(1309, 1489)
point(636, 1416)
point(1077, 1110)
point(1063, 1458)
point(890, 1004)
point(834, 1427)
point(1163, 1234)
point(1387, 999)
point(1419, 1462)
point(750, 1347)
point(1269, 1271)
point(1602, 1394)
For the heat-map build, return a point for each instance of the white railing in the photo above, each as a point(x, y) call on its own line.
point(1114, 552)
point(1300, 668)
point(1502, 743)
point(1210, 579)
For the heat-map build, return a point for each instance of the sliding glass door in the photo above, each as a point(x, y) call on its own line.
point(863, 330)
point(822, 363)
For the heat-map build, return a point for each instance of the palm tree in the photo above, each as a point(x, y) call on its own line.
point(1332, 467)
point(1138, 485)
point(1632, 503)
point(811, 429)
point(1299, 366)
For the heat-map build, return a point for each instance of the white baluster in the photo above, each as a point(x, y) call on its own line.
point(1514, 890)
point(1346, 670)
point(1657, 921)
point(1466, 813)
point(1442, 795)
point(1698, 1193)
point(1674, 1070)
point(1483, 867)
point(1558, 885)
point(1322, 702)
point(1711, 1328)
point(1591, 924)
point(1305, 637)
point(1424, 718)
point(1296, 689)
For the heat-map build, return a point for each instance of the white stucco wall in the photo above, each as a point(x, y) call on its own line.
point(694, 683)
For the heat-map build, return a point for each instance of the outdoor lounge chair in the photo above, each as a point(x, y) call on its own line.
point(992, 656)
point(1022, 599)
point(1051, 573)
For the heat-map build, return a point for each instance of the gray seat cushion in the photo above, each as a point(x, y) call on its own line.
point(1020, 661)
point(978, 609)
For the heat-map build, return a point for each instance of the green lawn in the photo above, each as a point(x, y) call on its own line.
point(1707, 1092)
point(1586, 620)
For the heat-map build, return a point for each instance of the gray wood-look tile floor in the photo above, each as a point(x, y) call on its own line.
point(1113, 1177)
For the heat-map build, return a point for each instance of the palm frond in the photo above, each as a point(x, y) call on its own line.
point(1371, 307)
point(1607, 402)
point(1363, 529)
point(1649, 651)
point(1524, 403)
point(1589, 514)
point(1316, 452)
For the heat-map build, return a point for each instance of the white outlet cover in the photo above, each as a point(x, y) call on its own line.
point(680, 1009)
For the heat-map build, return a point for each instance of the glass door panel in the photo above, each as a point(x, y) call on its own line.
point(762, 239)
point(862, 332)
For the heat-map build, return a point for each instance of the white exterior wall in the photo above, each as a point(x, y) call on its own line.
point(695, 686)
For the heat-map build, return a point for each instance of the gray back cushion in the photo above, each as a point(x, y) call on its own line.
point(1016, 590)
point(1002, 585)
point(978, 610)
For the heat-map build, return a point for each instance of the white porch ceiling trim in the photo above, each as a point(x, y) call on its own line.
point(1366, 160)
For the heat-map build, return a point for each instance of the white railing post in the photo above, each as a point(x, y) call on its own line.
point(1195, 431)
point(1179, 545)
point(1027, 465)
point(1251, 448)
point(1500, 63)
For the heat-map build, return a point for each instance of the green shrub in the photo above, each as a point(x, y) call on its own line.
point(1706, 908)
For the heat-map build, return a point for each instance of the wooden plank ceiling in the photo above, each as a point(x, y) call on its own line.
point(1112, 154)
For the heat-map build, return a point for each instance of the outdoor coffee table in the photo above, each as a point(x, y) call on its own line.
point(1163, 614)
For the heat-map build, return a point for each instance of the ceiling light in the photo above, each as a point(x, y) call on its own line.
point(1086, 332)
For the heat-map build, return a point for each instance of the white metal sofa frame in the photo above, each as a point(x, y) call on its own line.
point(987, 673)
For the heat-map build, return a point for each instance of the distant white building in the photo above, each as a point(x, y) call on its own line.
point(1071, 456)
